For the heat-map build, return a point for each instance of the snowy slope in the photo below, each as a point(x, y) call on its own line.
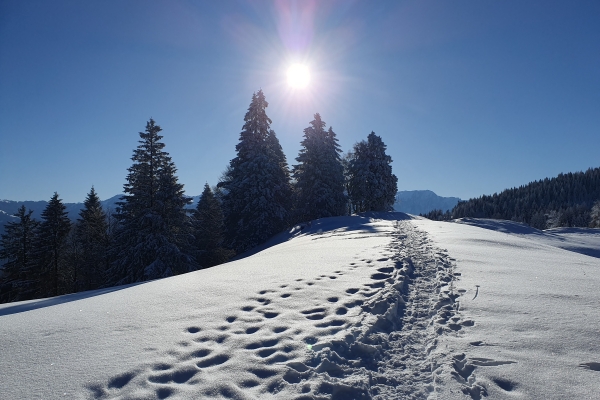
point(378, 306)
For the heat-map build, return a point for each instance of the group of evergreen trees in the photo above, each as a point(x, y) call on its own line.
point(569, 200)
point(152, 234)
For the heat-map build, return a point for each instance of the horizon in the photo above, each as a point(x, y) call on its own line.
point(470, 99)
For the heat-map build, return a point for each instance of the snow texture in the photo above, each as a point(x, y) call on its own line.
point(379, 306)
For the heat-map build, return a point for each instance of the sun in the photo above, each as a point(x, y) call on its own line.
point(298, 76)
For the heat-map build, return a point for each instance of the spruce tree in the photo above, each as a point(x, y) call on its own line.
point(153, 236)
point(16, 245)
point(371, 184)
point(256, 188)
point(50, 247)
point(595, 215)
point(210, 230)
point(319, 174)
point(92, 243)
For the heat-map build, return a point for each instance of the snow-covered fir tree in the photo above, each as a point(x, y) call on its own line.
point(319, 174)
point(371, 184)
point(154, 233)
point(50, 248)
point(595, 215)
point(256, 187)
point(16, 245)
point(210, 230)
point(91, 243)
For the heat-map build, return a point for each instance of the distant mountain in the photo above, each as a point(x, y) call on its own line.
point(411, 202)
point(422, 201)
point(9, 207)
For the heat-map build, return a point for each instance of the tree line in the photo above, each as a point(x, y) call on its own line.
point(152, 234)
point(568, 200)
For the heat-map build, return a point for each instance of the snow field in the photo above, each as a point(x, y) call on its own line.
point(341, 308)
point(534, 307)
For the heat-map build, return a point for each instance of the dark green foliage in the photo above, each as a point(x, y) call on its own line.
point(256, 188)
point(16, 280)
point(210, 231)
point(51, 249)
point(319, 174)
point(565, 200)
point(371, 184)
point(90, 244)
point(154, 234)
point(438, 215)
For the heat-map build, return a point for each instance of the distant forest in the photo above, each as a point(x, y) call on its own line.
point(568, 200)
point(152, 234)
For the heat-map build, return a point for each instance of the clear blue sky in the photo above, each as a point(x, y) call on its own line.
point(471, 97)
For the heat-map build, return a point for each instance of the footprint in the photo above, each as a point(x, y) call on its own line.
point(193, 329)
point(333, 322)
point(354, 303)
point(249, 383)
point(352, 290)
point(386, 270)
point(180, 376)
point(278, 358)
point(279, 329)
point(161, 367)
point(283, 286)
point(310, 283)
point(269, 314)
point(212, 361)
point(231, 319)
point(341, 311)
point(119, 381)
point(286, 295)
point(262, 343)
point(333, 299)
point(264, 353)
point(247, 308)
point(163, 392)
point(505, 384)
point(313, 310)
point(200, 353)
point(252, 330)
point(263, 373)
point(380, 276)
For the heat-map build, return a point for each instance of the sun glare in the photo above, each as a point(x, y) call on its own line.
point(298, 76)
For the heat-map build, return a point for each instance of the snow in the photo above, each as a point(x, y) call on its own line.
point(376, 306)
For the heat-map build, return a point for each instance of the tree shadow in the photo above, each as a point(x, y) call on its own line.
point(29, 305)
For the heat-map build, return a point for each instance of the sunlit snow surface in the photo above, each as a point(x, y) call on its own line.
point(344, 308)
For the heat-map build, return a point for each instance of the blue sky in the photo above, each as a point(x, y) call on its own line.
point(471, 97)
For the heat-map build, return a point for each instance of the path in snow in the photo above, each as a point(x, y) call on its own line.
point(382, 351)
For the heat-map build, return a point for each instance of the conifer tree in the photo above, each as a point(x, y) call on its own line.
point(256, 188)
point(319, 174)
point(50, 247)
point(92, 243)
point(210, 230)
point(595, 215)
point(153, 236)
point(16, 245)
point(371, 184)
